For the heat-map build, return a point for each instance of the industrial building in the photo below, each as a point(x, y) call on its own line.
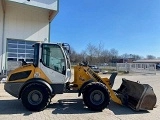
point(22, 23)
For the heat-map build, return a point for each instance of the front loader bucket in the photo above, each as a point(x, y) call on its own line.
point(137, 96)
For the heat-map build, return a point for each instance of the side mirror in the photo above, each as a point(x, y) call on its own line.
point(68, 74)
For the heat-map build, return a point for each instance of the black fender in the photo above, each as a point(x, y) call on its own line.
point(83, 87)
point(36, 80)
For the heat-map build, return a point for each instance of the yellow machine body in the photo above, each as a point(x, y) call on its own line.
point(22, 71)
point(132, 94)
point(83, 73)
point(50, 74)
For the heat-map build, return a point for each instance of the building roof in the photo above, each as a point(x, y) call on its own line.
point(147, 61)
point(46, 4)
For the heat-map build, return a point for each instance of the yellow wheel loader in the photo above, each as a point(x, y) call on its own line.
point(49, 74)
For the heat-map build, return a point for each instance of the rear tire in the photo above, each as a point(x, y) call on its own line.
point(35, 97)
point(96, 96)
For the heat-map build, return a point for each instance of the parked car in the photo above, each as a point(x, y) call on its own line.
point(94, 68)
point(158, 66)
point(3, 80)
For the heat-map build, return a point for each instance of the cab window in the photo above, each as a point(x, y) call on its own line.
point(53, 57)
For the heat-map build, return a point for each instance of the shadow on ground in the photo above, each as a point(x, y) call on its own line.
point(121, 110)
point(13, 107)
point(69, 106)
point(63, 106)
point(76, 106)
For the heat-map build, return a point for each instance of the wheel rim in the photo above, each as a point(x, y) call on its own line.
point(97, 97)
point(35, 97)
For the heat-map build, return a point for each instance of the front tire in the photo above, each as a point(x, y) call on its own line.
point(96, 96)
point(35, 97)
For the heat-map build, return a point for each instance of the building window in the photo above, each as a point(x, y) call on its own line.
point(20, 49)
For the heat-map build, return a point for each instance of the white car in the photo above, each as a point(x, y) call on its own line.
point(94, 68)
point(3, 80)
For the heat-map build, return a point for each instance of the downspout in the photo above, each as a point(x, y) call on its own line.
point(49, 32)
point(3, 27)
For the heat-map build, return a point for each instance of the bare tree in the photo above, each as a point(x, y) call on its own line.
point(72, 55)
point(134, 56)
point(97, 54)
point(91, 52)
point(105, 56)
point(113, 53)
point(75, 57)
point(125, 56)
point(137, 57)
point(151, 57)
point(99, 50)
point(83, 55)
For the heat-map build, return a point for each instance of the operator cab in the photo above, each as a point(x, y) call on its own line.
point(53, 59)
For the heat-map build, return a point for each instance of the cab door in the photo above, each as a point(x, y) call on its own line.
point(53, 63)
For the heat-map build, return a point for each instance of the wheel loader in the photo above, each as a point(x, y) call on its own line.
point(49, 74)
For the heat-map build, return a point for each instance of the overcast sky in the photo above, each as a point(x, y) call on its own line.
point(129, 26)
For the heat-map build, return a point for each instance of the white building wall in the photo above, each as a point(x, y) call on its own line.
point(26, 23)
point(1, 27)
